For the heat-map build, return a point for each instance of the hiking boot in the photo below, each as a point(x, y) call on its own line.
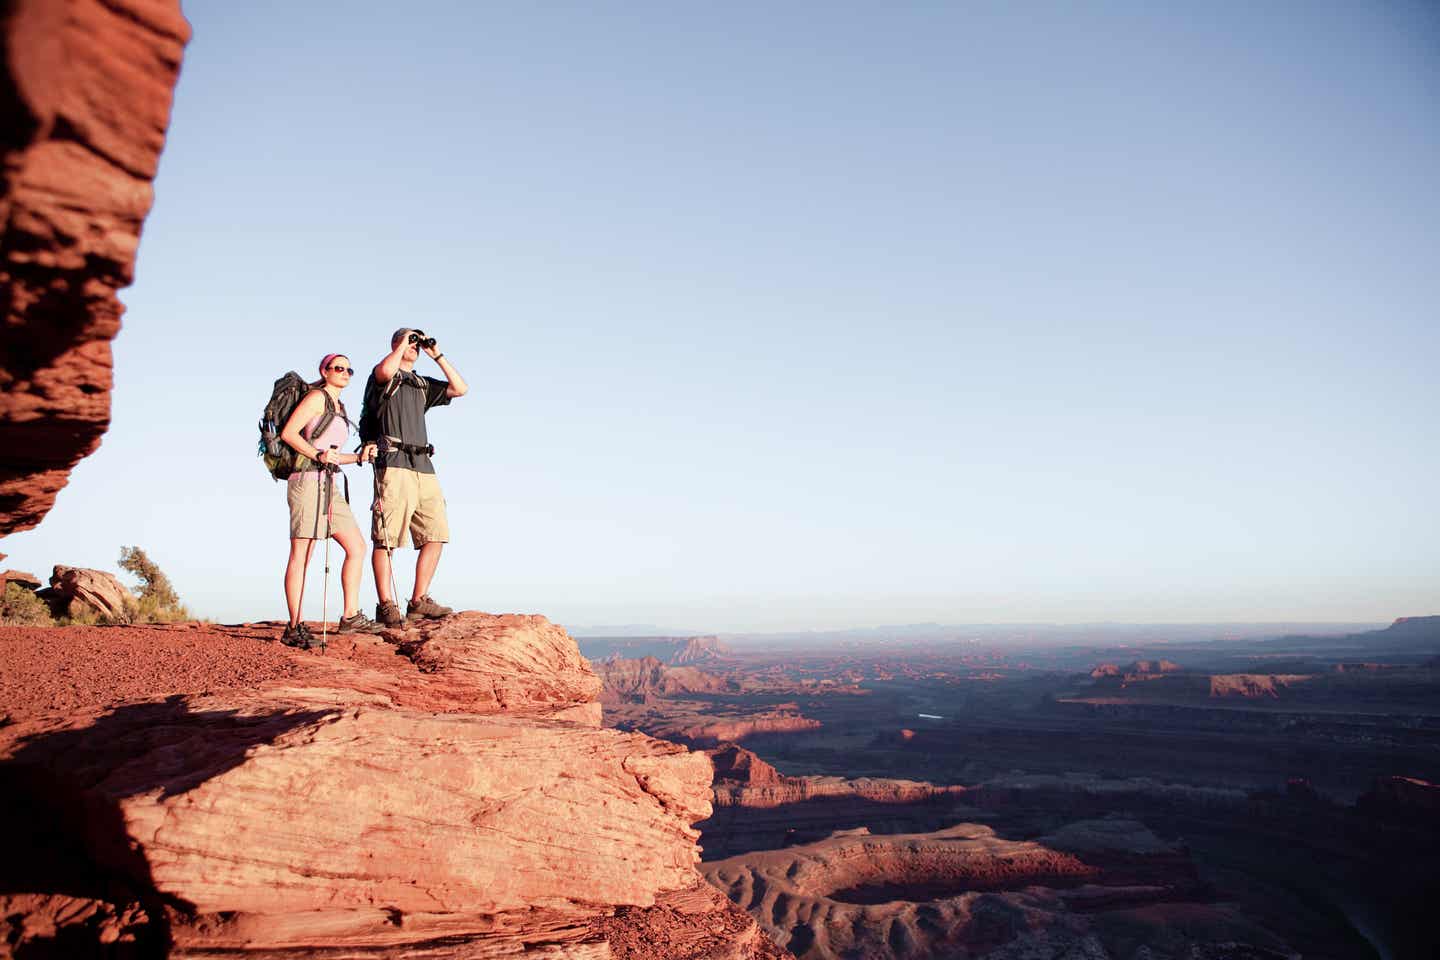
point(357, 622)
point(388, 614)
point(298, 635)
point(426, 607)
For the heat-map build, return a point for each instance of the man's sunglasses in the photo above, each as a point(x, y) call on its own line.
point(339, 369)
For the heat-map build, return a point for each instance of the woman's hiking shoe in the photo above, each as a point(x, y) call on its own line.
point(388, 614)
point(298, 635)
point(427, 608)
point(357, 622)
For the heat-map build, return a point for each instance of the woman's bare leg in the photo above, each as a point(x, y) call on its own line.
point(300, 549)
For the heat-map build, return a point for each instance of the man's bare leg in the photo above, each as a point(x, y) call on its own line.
point(425, 565)
point(380, 563)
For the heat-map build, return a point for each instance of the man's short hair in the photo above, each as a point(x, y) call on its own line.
point(397, 336)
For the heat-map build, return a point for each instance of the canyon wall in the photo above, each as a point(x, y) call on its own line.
point(85, 95)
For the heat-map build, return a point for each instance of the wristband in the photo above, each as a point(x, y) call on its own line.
point(438, 356)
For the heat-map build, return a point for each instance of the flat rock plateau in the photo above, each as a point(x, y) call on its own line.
point(443, 791)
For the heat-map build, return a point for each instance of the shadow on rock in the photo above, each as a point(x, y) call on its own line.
point(74, 882)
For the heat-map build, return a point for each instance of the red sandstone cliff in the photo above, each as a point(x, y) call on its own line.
point(455, 800)
point(639, 681)
point(744, 780)
point(85, 97)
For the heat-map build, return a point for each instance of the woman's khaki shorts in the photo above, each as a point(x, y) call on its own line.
point(412, 507)
point(307, 516)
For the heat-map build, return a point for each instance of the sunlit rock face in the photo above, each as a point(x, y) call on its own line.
point(85, 95)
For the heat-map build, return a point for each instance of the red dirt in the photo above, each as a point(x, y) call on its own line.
point(49, 670)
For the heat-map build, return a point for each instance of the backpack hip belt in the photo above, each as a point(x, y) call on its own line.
point(395, 444)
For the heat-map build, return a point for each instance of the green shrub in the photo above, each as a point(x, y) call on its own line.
point(20, 607)
point(79, 614)
point(155, 598)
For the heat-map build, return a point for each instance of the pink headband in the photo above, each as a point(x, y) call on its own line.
point(325, 364)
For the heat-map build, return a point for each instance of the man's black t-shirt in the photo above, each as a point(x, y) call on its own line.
point(403, 418)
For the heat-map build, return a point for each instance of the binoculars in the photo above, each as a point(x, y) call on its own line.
point(418, 337)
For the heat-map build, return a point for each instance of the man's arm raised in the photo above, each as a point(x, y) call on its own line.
point(386, 368)
point(458, 386)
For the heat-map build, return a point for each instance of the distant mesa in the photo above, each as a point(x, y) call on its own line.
point(701, 731)
point(1405, 635)
point(1422, 629)
point(757, 808)
point(642, 680)
point(672, 651)
point(699, 650)
point(1140, 669)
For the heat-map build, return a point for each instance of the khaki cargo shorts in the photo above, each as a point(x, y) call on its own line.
point(307, 507)
point(412, 508)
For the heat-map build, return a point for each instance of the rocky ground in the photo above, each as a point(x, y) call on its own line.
point(444, 791)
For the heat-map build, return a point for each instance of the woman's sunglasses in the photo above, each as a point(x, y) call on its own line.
point(339, 369)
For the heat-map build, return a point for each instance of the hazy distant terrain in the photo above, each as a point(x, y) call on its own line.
point(1286, 767)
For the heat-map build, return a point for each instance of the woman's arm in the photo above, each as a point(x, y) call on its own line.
point(309, 407)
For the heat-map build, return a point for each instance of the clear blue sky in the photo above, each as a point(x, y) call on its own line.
point(810, 315)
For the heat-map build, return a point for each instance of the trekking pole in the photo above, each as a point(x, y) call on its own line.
point(309, 552)
point(329, 530)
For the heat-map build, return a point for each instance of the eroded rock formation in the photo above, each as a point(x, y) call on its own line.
point(84, 105)
point(77, 590)
point(744, 780)
point(1094, 889)
point(696, 729)
point(758, 808)
point(642, 680)
point(457, 799)
point(699, 650)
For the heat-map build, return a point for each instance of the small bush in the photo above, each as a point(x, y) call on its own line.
point(79, 614)
point(20, 607)
point(149, 610)
point(155, 598)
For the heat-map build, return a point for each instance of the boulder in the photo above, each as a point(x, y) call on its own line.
point(27, 580)
point(86, 88)
point(100, 592)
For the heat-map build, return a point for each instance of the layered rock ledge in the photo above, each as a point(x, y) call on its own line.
point(445, 791)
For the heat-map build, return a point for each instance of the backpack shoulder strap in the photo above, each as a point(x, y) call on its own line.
point(391, 389)
point(325, 418)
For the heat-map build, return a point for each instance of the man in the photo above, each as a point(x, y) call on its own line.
point(408, 503)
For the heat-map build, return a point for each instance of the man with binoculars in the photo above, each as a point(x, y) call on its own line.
point(408, 504)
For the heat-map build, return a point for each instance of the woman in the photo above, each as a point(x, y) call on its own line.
point(318, 505)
